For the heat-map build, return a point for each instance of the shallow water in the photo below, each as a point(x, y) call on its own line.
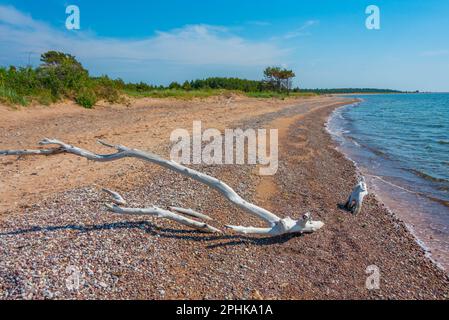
point(401, 144)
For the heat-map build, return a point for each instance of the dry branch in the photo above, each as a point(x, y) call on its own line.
point(276, 226)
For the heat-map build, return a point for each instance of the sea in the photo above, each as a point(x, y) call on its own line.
point(400, 143)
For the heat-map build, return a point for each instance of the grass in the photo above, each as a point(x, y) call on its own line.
point(205, 93)
point(175, 93)
point(87, 99)
point(279, 95)
point(10, 96)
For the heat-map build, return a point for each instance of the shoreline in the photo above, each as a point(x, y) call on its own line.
point(395, 234)
point(389, 193)
point(147, 258)
point(378, 201)
point(378, 197)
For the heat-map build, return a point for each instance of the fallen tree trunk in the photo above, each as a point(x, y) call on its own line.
point(276, 225)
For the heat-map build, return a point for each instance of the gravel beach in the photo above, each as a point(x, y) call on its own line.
point(57, 241)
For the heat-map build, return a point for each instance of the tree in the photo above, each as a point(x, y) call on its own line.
point(186, 85)
point(174, 85)
point(62, 73)
point(278, 79)
point(58, 59)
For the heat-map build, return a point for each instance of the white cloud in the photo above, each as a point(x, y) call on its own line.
point(9, 15)
point(259, 23)
point(302, 30)
point(435, 53)
point(190, 46)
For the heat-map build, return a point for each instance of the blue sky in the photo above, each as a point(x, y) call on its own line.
point(325, 42)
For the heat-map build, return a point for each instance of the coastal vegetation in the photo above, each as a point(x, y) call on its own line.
point(348, 90)
point(62, 76)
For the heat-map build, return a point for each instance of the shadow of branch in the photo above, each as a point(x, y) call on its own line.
point(181, 234)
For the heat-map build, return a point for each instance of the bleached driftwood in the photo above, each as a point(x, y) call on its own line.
point(355, 200)
point(191, 213)
point(41, 152)
point(156, 212)
point(276, 225)
point(283, 226)
point(116, 197)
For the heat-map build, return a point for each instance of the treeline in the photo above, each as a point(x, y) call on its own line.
point(346, 90)
point(275, 79)
point(229, 84)
point(203, 84)
point(220, 83)
point(61, 76)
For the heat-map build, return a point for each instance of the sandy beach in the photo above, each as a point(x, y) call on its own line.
point(52, 218)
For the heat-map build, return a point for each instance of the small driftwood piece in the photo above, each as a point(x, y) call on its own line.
point(355, 200)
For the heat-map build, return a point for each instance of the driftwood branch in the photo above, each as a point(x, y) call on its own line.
point(286, 225)
point(31, 152)
point(276, 225)
point(191, 213)
point(116, 197)
point(156, 212)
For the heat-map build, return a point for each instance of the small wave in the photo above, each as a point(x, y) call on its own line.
point(378, 152)
point(427, 176)
point(443, 188)
point(375, 151)
point(443, 142)
point(440, 201)
point(425, 195)
point(334, 124)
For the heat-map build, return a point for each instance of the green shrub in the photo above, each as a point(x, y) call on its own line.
point(62, 74)
point(23, 81)
point(3, 76)
point(86, 98)
point(46, 97)
point(107, 89)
